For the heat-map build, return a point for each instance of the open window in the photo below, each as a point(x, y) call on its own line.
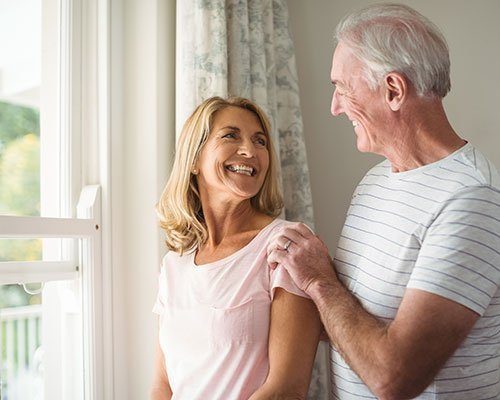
point(51, 275)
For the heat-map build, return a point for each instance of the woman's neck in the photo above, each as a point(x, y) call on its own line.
point(225, 220)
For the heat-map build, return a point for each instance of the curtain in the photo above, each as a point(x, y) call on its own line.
point(244, 48)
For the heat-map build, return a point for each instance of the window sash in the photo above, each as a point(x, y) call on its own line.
point(36, 271)
point(86, 228)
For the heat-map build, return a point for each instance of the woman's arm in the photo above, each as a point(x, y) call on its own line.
point(160, 388)
point(293, 338)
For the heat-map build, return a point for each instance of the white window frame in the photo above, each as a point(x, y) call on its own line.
point(84, 105)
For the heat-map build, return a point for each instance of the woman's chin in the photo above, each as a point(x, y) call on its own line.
point(243, 195)
point(243, 190)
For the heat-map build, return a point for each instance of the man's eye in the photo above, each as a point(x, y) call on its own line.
point(338, 91)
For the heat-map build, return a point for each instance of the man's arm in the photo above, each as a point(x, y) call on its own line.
point(293, 339)
point(396, 360)
point(400, 359)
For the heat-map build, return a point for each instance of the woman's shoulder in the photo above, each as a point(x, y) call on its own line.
point(275, 228)
point(279, 224)
point(173, 259)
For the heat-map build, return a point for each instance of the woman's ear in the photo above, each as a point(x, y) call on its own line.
point(396, 90)
point(195, 170)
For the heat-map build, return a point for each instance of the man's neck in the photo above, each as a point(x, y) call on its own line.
point(425, 138)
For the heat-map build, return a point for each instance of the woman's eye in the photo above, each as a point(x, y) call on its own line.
point(262, 142)
point(230, 135)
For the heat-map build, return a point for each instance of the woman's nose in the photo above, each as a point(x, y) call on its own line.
point(246, 148)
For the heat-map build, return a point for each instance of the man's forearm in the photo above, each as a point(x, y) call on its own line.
point(359, 337)
point(267, 392)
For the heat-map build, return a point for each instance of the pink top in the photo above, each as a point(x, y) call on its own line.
point(214, 320)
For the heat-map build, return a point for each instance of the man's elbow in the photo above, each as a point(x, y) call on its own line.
point(290, 395)
point(278, 395)
point(396, 386)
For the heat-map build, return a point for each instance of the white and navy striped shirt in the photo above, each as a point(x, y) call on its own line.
point(434, 228)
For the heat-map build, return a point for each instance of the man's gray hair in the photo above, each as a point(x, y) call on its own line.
point(396, 38)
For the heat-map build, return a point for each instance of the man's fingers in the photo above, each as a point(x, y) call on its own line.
point(276, 256)
point(292, 234)
point(273, 266)
point(272, 245)
point(273, 242)
point(304, 230)
point(284, 243)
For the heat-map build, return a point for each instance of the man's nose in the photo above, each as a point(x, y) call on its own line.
point(336, 106)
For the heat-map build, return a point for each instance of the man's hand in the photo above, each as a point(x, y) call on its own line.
point(303, 255)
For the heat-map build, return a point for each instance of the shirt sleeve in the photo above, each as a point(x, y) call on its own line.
point(281, 278)
point(159, 305)
point(460, 254)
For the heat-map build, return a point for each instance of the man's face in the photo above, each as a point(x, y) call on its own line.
point(365, 108)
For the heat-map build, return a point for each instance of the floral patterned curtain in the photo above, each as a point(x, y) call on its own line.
point(244, 48)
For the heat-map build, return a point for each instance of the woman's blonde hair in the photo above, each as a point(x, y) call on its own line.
point(179, 208)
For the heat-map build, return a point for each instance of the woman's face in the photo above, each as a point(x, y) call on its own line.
point(235, 159)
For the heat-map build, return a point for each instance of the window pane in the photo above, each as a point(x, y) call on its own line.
point(40, 336)
point(20, 249)
point(20, 333)
point(19, 160)
point(20, 60)
point(36, 249)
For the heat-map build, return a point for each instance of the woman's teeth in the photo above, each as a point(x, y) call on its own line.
point(241, 169)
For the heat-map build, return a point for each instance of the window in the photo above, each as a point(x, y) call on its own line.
point(52, 333)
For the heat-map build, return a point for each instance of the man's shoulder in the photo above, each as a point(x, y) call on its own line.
point(472, 185)
point(383, 167)
point(380, 170)
point(465, 174)
point(473, 167)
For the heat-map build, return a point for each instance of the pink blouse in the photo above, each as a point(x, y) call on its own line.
point(214, 320)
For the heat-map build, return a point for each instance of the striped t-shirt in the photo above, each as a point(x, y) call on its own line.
point(434, 228)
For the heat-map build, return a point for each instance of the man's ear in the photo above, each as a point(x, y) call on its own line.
point(396, 90)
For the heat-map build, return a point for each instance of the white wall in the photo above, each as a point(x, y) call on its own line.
point(143, 41)
point(473, 35)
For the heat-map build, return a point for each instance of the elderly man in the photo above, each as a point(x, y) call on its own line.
point(412, 303)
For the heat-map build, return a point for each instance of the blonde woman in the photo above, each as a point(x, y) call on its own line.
point(230, 328)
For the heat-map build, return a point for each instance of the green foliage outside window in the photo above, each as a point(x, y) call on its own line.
point(19, 195)
point(19, 188)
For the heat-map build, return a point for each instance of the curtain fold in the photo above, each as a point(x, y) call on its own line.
point(244, 48)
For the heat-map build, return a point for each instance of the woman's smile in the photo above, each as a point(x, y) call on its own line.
point(235, 159)
point(242, 169)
